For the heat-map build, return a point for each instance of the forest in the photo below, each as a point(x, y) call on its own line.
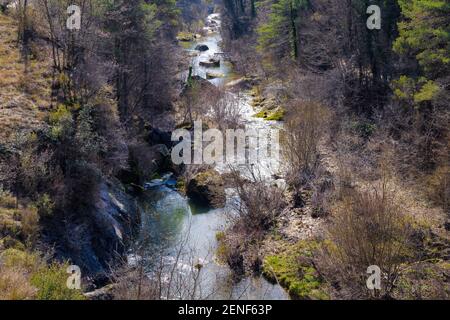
point(93, 94)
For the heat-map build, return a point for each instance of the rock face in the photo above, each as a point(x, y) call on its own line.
point(145, 160)
point(202, 47)
point(207, 189)
point(98, 239)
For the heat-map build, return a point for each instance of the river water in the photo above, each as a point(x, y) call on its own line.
point(185, 236)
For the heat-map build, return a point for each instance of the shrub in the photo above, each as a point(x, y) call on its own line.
point(45, 205)
point(15, 258)
point(369, 228)
point(51, 284)
point(14, 285)
point(30, 225)
point(305, 126)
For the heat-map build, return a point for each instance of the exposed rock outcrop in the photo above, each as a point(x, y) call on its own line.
point(207, 189)
point(202, 47)
point(211, 63)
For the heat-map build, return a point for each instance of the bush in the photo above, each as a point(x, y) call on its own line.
point(305, 126)
point(15, 258)
point(14, 285)
point(370, 228)
point(30, 225)
point(51, 284)
point(45, 205)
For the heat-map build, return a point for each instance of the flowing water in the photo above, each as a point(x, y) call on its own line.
point(171, 222)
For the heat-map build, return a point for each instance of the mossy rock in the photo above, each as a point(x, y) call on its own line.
point(271, 115)
point(207, 189)
point(258, 101)
point(181, 185)
point(185, 36)
point(294, 271)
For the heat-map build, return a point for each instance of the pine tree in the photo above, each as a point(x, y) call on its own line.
point(281, 29)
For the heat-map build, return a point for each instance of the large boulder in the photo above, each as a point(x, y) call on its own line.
point(207, 189)
point(244, 83)
point(145, 160)
point(202, 47)
point(200, 84)
point(156, 136)
point(214, 75)
point(210, 63)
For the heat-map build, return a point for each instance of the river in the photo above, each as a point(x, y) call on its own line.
point(183, 237)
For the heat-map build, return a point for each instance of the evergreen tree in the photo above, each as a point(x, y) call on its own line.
point(280, 35)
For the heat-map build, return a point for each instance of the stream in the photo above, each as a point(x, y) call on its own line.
point(182, 236)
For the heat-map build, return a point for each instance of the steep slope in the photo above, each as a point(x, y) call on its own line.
point(25, 85)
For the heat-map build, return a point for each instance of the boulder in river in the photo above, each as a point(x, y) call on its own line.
point(207, 189)
point(202, 47)
point(185, 36)
point(244, 83)
point(213, 75)
point(211, 63)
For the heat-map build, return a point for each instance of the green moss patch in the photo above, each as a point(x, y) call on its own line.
point(185, 36)
point(293, 270)
point(271, 115)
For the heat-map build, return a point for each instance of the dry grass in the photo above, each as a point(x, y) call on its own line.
point(24, 96)
point(14, 285)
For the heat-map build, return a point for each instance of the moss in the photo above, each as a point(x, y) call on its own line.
point(262, 114)
point(185, 44)
point(271, 115)
point(293, 270)
point(208, 177)
point(220, 236)
point(185, 36)
point(277, 115)
point(222, 251)
point(155, 175)
point(181, 185)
